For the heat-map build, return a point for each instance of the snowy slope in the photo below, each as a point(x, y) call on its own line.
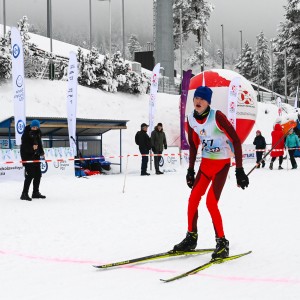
point(47, 246)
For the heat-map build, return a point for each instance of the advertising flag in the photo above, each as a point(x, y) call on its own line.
point(18, 83)
point(72, 100)
point(183, 98)
point(279, 105)
point(233, 94)
point(296, 98)
point(153, 93)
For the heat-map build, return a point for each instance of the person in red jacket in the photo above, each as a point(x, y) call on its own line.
point(277, 138)
point(211, 129)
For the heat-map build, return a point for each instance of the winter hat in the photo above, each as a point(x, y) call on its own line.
point(258, 131)
point(144, 125)
point(35, 123)
point(203, 92)
point(159, 124)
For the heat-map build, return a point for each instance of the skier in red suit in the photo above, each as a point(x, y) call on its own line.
point(212, 130)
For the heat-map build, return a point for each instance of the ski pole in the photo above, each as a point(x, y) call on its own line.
point(125, 174)
point(283, 137)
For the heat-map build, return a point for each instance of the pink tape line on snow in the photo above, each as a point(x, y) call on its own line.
point(137, 267)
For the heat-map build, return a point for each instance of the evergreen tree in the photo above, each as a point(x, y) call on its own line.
point(246, 66)
point(5, 58)
point(195, 17)
point(262, 61)
point(288, 44)
point(23, 27)
point(105, 75)
point(133, 45)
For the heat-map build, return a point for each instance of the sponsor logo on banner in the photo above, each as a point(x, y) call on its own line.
point(170, 163)
point(16, 50)
point(245, 98)
point(44, 167)
point(19, 81)
point(20, 126)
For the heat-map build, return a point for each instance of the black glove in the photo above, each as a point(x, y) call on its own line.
point(153, 149)
point(241, 178)
point(190, 177)
point(166, 147)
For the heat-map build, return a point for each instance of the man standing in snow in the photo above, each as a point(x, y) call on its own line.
point(213, 131)
point(158, 143)
point(142, 139)
point(260, 146)
point(32, 149)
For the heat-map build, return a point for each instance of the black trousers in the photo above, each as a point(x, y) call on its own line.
point(144, 160)
point(280, 159)
point(157, 160)
point(32, 172)
point(259, 155)
point(292, 158)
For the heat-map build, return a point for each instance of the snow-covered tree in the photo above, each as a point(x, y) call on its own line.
point(197, 57)
point(5, 58)
point(23, 27)
point(262, 61)
point(287, 43)
point(195, 17)
point(246, 66)
point(105, 75)
point(133, 45)
point(88, 66)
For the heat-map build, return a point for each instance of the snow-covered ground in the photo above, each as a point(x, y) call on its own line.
point(48, 247)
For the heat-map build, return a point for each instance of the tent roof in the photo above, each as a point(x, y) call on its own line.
point(56, 126)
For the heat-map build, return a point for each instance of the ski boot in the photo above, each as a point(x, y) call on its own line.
point(280, 168)
point(271, 165)
point(188, 243)
point(38, 195)
point(222, 249)
point(263, 164)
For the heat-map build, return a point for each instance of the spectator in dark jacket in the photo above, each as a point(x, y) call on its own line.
point(278, 144)
point(260, 146)
point(32, 149)
point(142, 139)
point(158, 143)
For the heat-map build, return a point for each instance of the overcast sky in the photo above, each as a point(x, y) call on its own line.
point(72, 17)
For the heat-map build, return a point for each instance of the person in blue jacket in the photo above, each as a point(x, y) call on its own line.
point(291, 143)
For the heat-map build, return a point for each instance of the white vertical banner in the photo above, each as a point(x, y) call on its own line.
point(18, 83)
point(72, 100)
point(233, 94)
point(279, 105)
point(153, 93)
point(296, 99)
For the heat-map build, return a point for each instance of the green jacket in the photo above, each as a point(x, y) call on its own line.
point(158, 140)
point(292, 141)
